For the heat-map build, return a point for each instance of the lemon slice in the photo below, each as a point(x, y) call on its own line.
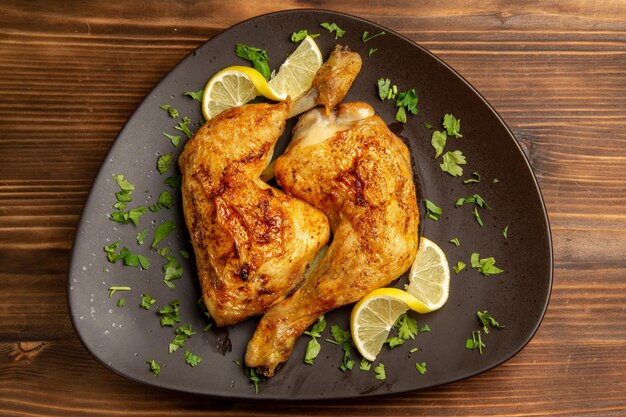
point(373, 317)
point(296, 74)
point(429, 278)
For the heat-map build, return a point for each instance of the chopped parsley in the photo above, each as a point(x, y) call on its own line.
point(196, 95)
point(474, 174)
point(182, 334)
point(313, 347)
point(155, 368)
point(141, 236)
point(366, 36)
point(184, 253)
point(438, 141)
point(455, 242)
point(505, 232)
point(475, 342)
point(365, 365)
point(121, 302)
point(401, 115)
point(459, 267)
point(184, 127)
point(166, 200)
point(125, 195)
point(258, 57)
point(192, 359)
point(301, 34)
point(379, 370)
point(452, 125)
point(163, 162)
point(406, 101)
point(147, 301)
point(421, 367)
point(332, 27)
point(172, 269)
point(477, 216)
point(113, 290)
point(425, 329)
point(129, 258)
point(432, 210)
point(451, 162)
point(343, 336)
point(170, 314)
point(174, 181)
point(486, 320)
point(407, 327)
point(174, 139)
point(413, 350)
point(372, 51)
point(170, 110)
point(485, 266)
point(253, 377)
point(428, 125)
point(126, 217)
point(474, 198)
point(162, 231)
point(386, 91)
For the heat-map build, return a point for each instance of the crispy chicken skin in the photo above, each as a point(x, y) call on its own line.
point(252, 242)
point(352, 167)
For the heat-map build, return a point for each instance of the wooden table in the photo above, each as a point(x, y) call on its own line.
point(71, 73)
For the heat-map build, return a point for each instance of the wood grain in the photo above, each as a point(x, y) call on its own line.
point(71, 73)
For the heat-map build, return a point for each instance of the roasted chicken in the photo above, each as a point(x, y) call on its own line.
point(348, 164)
point(252, 242)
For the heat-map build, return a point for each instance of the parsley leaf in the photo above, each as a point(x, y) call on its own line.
point(339, 335)
point(174, 139)
point(455, 241)
point(452, 125)
point(408, 100)
point(141, 236)
point(380, 371)
point(155, 368)
point(121, 302)
point(125, 195)
point(184, 127)
point(425, 329)
point(407, 326)
point(438, 141)
point(474, 198)
point(170, 110)
point(485, 266)
point(477, 179)
point(129, 258)
point(451, 162)
point(162, 231)
point(487, 319)
point(365, 365)
point(421, 367)
point(174, 181)
point(428, 125)
point(147, 301)
point(170, 314)
point(112, 290)
point(475, 342)
point(432, 210)
point(163, 162)
point(253, 377)
point(332, 27)
point(182, 334)
point(386, 91)
point(258, 57)
point(184, 253)
point(459, 267)
point(366, 36)
point(401, 115)
point(394, 341)
point(347, 362)
point(173, 270)
point(166, 200)
point(192, 359)
point(313, 347)
point(372, 51)
point(505, 232)
point(301, 34)
point(477, 216)
point(126, 217)
point(413, 350)
point(196, 95)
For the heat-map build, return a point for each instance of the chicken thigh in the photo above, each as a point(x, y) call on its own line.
point(348, 164)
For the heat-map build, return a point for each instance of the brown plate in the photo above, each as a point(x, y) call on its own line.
point(123, 339)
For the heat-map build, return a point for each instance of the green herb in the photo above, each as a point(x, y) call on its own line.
point(475, 198)
point(163, 162)
point(126, 217)
point(182, 334)
point(238, 363)
point(170, 314)
point(129, 258)
point(372, 51)
point(155, 368)
point(407, 326)
point(380, 371)
point(184, 127)
point(112, 290)
point(184, 253)
point(332, 27)
point(192, 359)
point(162, 231)
point(477, 216)
point(394, 341)
point(339, 335)
point(438, 141)
point(495, 181)
point(455, 241)
point(347, 362)
point(147, 301)
point(475, 342)
point(413, 350)
point(253, 377)
point(485, 266)
point(421, 367)
point(125, 195)
point(301, 34)
point(196, 95)
point(366, 36)
point(477, 179)
point(408, 100)
point(365, 365)
point(313, 347)
point(174, 139)
point(428, 125)
point(432, 211)
point(170, 110)
point(174, 181)
point(258, 57)
point(459, 267)
point(487, 320)
point(121, 302)
point(451, 162)
point(425, 329)
point(452, 125)
point(505, 232)
point(172, 269)
point(401, 115)
point(386, 91)
point(166, 200)
point(141, 236)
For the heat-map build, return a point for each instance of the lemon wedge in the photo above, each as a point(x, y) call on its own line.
point(429, 277)
point(296, 74)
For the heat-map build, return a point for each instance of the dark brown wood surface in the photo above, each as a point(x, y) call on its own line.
point(71, 73)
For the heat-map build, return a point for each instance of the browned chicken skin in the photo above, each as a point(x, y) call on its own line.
point(252, 242)
point(349, 165)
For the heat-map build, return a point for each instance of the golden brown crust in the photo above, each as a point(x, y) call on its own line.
point(334, 78)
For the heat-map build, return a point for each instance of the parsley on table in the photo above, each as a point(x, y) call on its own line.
point(196, 95)
point(380, 371)
point(421, 367)
point(162, 231)
point(451, 162)
point(365, 365)
point(485, 266)
point(126, 217)
point(394, 341)
point(332, 27)
point(347, 363)
point(475, 342)
point(438, 141)
point(184, 127)
point(147, 301)
point(141, 236)
point(155, 368)
point(129, 258)
point(366, 36)
point(113, 290)
point(477, 216)
point(474, 198)
point(459, 267)
point(258, 57)
point(505, 232)
point(343, 336)
point(477, 179)
point(174, 181)
point(455, 242)
point(372, 51)
point(425, 329)
point(165, 200)
point(428, 125)
point(301, 34)
point(172, 269)
point(170, 314)
point(174, 139)
point(452, 125)
point(401, 115)
point(192, 359)
point(182, 334)
point(163, 162)
point(170, 110)
point(313, 347)
point(253, 377)
point(121, 302)
point(386, 91)
point(486, 320)
point(407, 326)
point(413, 350)
point(432, 210)
point(408, 99)
point(125, 195)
